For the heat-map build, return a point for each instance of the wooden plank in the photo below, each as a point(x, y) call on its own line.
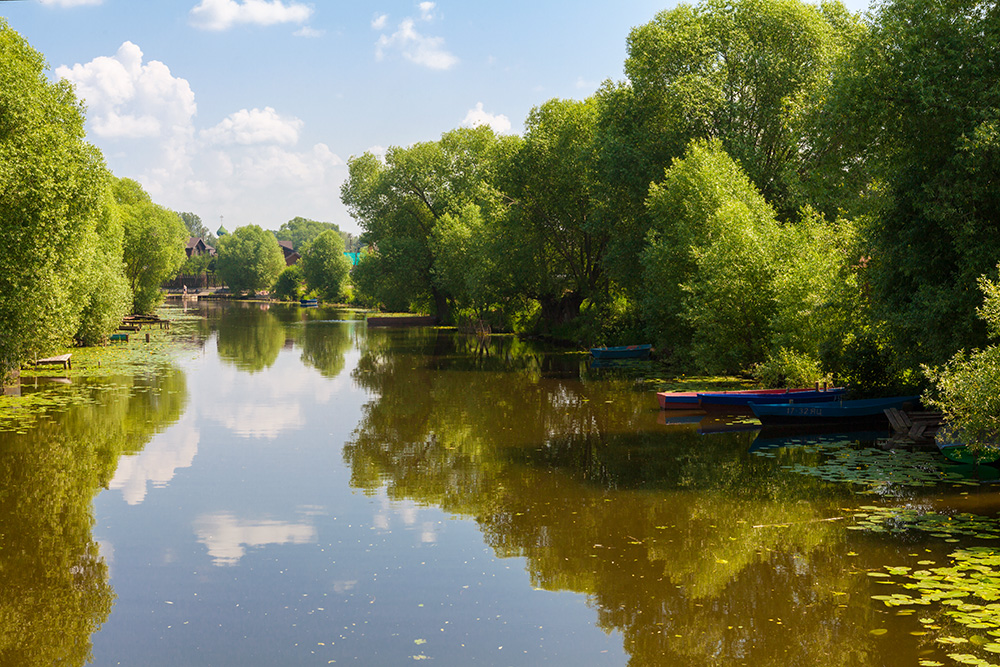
point(900, 422)
point(60, 360)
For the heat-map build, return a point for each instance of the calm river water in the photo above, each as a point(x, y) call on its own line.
point(294, 488)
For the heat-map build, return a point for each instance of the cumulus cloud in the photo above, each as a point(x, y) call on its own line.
point(227, 537)
point(255, 126)
point(71, 3)
point(478, 116)
point(380, 21)
point(158, 462)
point(417, 48)
point(131, 99)
point(250, 165)
point(427, 10)
point(224, 14)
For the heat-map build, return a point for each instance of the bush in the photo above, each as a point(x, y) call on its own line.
point(788, 368)
point(290, 284)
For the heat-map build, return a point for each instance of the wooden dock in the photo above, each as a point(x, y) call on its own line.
point(914, 427)
point(61, 360)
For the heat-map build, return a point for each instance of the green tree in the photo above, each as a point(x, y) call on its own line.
point(51, 192)
point(302, 231)
point(551, 180)
point(154, 242)
point(926, 103)
point(707, 265)
point(110, 296)
point(290, 283)
point(399, 201)
point(746, 72)
point(249, 259)
point(324, 265)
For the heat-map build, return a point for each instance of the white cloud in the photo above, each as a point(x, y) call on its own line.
point(306, 31)
point(380, 21)
point(476, 117)
point(250, 165)
point(224, 14)
point(419, 49)
point(71, 3)
point(255, 126)
point(227, 537)
point(158, 462)
point(127, 98)
point(427, 10)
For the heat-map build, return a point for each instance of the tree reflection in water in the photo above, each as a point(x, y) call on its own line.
point(54, 589)
point(695, 551)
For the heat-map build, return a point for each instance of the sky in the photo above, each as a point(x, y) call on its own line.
point(247, 111)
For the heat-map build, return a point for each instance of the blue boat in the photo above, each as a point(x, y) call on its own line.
point(622, 352)
point(308, 302)
point(830, 412)
point(730, 398)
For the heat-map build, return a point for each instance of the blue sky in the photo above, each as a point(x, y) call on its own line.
point(249, 109)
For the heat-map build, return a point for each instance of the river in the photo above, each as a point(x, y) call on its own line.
point(290, 487)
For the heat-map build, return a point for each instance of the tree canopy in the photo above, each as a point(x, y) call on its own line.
point(250, 259)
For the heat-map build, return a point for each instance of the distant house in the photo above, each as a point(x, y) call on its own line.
point(197, 247)
point(291, 257)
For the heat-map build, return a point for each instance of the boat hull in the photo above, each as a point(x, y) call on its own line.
point(622, 352)
point(692, 400)
point(830, 412)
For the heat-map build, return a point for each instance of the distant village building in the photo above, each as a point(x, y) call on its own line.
point(197, 247)
point(291, 257)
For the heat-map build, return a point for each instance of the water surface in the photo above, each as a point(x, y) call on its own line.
point(297, 489)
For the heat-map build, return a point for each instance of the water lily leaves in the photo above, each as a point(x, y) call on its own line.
point(944, 526)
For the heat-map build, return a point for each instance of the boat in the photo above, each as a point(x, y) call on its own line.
point(308, 302)
point(830, 412)
point(622, 352)
point(804, 395)
point(960, 453)
point(695, 400)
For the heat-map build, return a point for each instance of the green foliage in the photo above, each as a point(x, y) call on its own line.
point(302, 231)
point(249, 259)
point(398, 202)
point(197, 229)
point(708, 261)
point(967, 387)
point(154, 242)
point(324, 266)
point(788, 368)
point(290, 284)
point(110, 297)
point(558, 220)
point(928, 105)
point(51, 192)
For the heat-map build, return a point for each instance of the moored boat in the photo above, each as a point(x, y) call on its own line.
point(622, 352)
point(692, 400)
point(308, 302)
point(830, 412)
point(960, 453)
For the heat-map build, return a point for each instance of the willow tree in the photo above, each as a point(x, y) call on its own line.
point(745, 72)
point(154, 241)
point(51, 191)
point(400, 200)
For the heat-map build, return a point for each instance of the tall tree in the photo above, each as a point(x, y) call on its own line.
point(551, 181)
point(325, 266)
point(399, 201)
point(154, 243)
point(249, 259)
point(300, 231)
point(51, 191)
point(927, 101)
point(745, 72)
